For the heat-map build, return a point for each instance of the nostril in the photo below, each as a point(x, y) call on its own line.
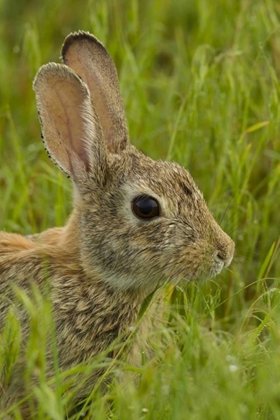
point(224, 257)
point(224, 253)
point(221, 256)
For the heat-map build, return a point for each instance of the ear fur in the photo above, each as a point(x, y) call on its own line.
point(90, 60)
point(70, 127)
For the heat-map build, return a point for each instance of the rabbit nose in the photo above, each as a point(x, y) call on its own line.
point(225, 254)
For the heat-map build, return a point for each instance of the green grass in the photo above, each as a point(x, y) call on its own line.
point(200, 82)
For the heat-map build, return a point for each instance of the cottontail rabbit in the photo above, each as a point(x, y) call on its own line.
point(135, 223)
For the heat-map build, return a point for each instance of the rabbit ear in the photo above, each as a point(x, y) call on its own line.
point(70, 128)
point(83, 53)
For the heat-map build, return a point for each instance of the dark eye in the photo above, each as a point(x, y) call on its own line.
point(145, 207)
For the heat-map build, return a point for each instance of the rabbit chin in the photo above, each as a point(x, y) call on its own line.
point(145, 284)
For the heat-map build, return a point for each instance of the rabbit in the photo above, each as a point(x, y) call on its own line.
point(135, 222)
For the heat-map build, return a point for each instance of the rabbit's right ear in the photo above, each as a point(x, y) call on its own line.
point(83, 53)
point(70, 127)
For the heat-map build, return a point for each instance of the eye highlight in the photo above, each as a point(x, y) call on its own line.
point(145, 207)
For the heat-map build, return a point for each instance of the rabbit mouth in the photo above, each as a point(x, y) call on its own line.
point(198, 273)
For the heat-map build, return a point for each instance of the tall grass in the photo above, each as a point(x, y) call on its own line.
point(200, 82)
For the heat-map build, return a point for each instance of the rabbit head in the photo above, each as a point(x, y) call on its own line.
point(138, 221)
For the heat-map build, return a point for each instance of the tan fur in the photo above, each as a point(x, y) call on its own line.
point(11, 242)
point(98, 269)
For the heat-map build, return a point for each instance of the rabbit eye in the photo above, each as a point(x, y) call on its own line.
point(145, 207)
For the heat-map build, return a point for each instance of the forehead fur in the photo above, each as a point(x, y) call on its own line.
point(164, 178)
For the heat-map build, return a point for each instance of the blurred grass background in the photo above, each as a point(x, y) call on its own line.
point(200, 82)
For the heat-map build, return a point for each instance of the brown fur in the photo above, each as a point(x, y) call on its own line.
point(99, 267)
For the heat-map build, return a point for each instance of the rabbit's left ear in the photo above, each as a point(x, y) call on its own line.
point(83, 53)
point(70, 127)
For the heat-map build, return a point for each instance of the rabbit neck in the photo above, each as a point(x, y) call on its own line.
point(90, 317)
